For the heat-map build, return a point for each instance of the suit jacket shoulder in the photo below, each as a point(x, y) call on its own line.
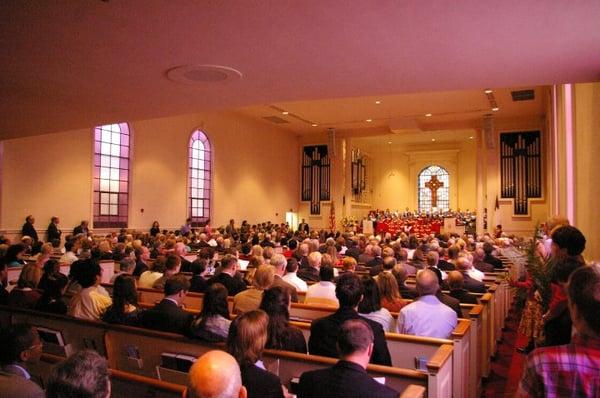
point(261, 383)
point(344, 379)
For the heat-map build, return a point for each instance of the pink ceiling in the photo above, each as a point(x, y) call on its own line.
point(74, 64)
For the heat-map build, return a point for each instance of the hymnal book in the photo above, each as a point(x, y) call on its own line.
point(51, 336)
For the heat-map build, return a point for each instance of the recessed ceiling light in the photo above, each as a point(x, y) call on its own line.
point(285, 112)
point(428, 115)
point(377, 102)
point(433, 139)
point(369, 120)
point(389, 142)
point(314, 124)
point(471, 137)
point(488, 91)
point(496, 109)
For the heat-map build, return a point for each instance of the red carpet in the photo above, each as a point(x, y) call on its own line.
point(507, 367)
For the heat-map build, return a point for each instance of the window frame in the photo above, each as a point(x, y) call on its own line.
point(446, 187)
point(114, 190)
point(200, 173)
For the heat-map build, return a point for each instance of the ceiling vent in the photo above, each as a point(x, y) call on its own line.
point(523, 95)
point(203, 74)
point(275, 119)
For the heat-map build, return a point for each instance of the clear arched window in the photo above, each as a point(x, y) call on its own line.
point(434, 189)
point(111, 175)
point(199, 178)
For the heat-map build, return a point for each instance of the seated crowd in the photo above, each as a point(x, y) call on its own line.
point(362, 279)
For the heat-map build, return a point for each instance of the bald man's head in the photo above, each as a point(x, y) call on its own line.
point(462, 264)
point(427, 282)
point(455, 280)
point(215, 374)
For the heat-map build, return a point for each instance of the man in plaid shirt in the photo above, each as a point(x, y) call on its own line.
point(571, 370)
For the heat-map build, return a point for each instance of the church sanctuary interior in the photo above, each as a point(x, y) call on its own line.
point(126, 112)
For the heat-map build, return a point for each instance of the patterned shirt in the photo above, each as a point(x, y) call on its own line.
point(571, 370)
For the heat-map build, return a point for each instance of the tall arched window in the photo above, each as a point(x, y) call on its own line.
point(199, 178)
point(434, 189)
point(111, 175)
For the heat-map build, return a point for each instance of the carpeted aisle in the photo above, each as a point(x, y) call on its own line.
point(507, 367)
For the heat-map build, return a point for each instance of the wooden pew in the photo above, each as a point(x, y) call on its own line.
point(150, 344)
point(123, 384)
point(120, 342)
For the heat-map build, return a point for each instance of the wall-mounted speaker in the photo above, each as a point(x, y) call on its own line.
point(331, 142)
point(489, 135)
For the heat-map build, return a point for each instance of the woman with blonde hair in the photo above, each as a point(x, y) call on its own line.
point(26, 295)
point(389, 292)
point(246, 342)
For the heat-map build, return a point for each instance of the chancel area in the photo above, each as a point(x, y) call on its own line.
point(369, 200)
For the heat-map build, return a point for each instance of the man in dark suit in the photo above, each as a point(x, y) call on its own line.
point(279, 263)
point(324, 331)
point(167, 315)
point(81, 229)
point(303, 227)
point(28, 229)
point(377, 260)
point(228, 276)
point(488, 248)
point(311, 273)
point(478, 256)
point(53, 232)
point(407, 292)
point(473, 285)
point(353, 250)
point(348, 377)
point(455, 283)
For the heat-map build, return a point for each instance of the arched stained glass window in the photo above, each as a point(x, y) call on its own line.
point(200, 161)
point(434, 189)
point(111, 175)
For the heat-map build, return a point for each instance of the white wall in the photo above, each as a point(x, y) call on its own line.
point(255, 173)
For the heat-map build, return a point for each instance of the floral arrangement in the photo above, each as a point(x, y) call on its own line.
point(540, 269)
point(348, 223)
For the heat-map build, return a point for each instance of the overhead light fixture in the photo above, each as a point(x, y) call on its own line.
point(389, 142)
point(471, 137)
point(285, 113)
point(314, 124)
point(369, 120)
point(433, 139)
point(377, 102)
point(495, 109)
point(488, 91)
point(428, 115)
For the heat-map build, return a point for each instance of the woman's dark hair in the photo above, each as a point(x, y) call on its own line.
point(87, 271)
point(53, 288)
point(124, 292)
point(371, 301)
point(51, 267)
point(12, 251)
point(214, 302)
point(275, 303)
point(198, 266)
